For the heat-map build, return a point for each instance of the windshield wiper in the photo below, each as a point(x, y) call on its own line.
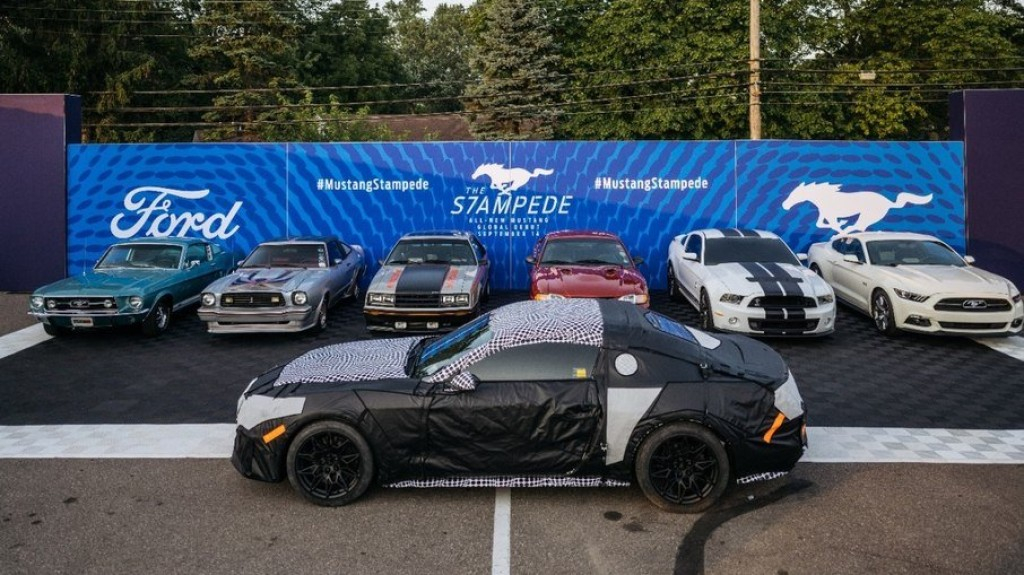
point(598, 262)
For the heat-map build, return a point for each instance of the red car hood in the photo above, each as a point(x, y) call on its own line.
point(589, 281)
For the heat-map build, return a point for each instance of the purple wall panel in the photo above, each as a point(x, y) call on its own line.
point(991, 124)
point(34, 133)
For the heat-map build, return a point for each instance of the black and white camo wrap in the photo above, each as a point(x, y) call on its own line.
point(757, 477)
point(355, 361)
point(576, 321)
point(509, 481)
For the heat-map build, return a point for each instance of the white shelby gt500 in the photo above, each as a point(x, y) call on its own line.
point(915, 282)
point(749, 281)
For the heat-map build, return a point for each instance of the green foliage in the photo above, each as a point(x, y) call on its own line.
point(306, 121)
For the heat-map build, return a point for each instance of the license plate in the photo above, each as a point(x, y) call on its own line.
point(433, 325)
point(81, 321)
point(401, 325)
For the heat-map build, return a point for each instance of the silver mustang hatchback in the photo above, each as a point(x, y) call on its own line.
point(284, 286)
point(431, 281)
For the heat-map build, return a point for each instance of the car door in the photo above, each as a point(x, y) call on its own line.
point(691, 272)
point(199, 270)
point(849, 278)
point(535, 410)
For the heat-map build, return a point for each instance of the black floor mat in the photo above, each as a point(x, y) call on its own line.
point(854, 378)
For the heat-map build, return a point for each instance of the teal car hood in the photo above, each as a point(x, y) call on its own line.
point(108, 282)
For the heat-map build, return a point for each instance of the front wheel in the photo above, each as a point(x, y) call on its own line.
point(674, 293)
point(682, 468)
point(882, 313)
point(330, 464)
point(321, 316)
point(158, 320)
point(707, 322)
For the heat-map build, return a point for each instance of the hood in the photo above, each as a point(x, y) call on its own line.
point(424, 278)
point(930, 279)
point(354, 361)
point(768, 279)
point(107, 283)
point(589, 281)
point(741, 356)
point(264, 279)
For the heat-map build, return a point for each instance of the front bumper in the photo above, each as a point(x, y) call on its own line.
point(416, 320)
point(753, 455)
point(813, 321)
point(256, 459)
point(924, 318)
point(258, 320)
point(88, 320)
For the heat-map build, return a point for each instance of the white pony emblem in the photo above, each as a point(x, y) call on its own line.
point(836, 209)
point(508, 180)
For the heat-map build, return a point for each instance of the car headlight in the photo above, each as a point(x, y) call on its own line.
point(455, 299)
point(730, 298)
point(135, 301)
point(36, 301)
point(904, 294)
point(108, 303)
point(637, 298)
point(208, 299)
point(300, 298)
point(547, 296)
point(50, 304)
point(381, 299)
point(824, 299)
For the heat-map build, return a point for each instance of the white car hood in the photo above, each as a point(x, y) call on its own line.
point(929, 279)
point(747, 279)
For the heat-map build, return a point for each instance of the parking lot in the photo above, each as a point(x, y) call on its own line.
point(869, 398)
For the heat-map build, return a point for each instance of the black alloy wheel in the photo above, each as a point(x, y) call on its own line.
point(707, 323)
point(882, 313)
point(330, 464)
point(158, 320)
point(683, 468)
point(674, 292)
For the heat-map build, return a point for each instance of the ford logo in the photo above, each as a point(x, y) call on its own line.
point(975, 304)
point(79, 303)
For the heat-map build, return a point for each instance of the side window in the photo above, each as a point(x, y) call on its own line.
point(209, 252)
point(694, 244)
point(345, 249)
point(334, 252)
point(196, 252)
point(856, 249)
point(538, 362)
point(839, 245)
point(481, 251)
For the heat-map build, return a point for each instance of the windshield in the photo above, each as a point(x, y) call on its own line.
point(743, 250)
point(912, 252)
point(669, 326)
point(454, 252)
point(287, 256)
point(586, 251)
point(160, 256)
point(451, 347)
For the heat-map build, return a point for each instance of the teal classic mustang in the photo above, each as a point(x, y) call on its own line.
point(137, 282)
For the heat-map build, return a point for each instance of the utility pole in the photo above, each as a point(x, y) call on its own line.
point(755, 69)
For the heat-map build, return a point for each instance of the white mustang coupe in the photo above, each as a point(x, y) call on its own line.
point(749, 281)
point(915, 282)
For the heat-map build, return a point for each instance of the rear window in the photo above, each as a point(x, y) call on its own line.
point(670, 326)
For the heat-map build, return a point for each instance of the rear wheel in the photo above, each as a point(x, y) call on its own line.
point(158, 320)
point(330, 464)
point(881, 312)
point(682, 468)
point(707, 322)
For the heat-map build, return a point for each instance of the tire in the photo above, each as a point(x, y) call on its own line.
point(682, 468)
point(354, 294)
point(54, 330)
point(707, 322)
point(816, 270)
point(674, 292)
point(322, 315)
point(486, 297)
point(882, 314)
point(158, 320)
point(329, 464)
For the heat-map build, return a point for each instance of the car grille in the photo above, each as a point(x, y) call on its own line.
point(970, 326)
point(89, 304)
point(260, 299)
point(957, 304)
point(783, 326)
point(782, 301)
point(418, 300)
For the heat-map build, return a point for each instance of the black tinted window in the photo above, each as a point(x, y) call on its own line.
point(726, 250)
point(694, 245)
point(538, 362)
point(912, 252)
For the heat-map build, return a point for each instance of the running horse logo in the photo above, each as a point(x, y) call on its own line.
point(836, 209)
point(508, 180)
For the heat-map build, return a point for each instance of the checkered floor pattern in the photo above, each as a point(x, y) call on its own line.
point(214, 441)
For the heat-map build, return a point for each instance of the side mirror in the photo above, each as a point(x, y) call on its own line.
point(462, 381)
point(801, 257)
point(191, 264)
point(851, 259)
point(531, 260)
point(969, 260)
point(637, 260)
point(690, 256)
point(336, 261)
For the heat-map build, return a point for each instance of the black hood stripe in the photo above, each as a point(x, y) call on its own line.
point(422, 278)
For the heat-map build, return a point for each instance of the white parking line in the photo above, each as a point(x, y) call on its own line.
point(501, 550)
point(1012, 346)
point(12, 343)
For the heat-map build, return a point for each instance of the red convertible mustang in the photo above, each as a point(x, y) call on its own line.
point(554, 393)
point(585, 264)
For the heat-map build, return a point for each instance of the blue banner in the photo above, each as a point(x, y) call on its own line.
point(509, 193)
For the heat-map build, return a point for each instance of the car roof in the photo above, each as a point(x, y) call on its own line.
point(165, 241)
point(437, 234)
point(581, 234)
point(301, 240)
point(871, 236)
point(711, 233)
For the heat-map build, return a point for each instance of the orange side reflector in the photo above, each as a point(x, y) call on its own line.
point(273, 434)
point(771, 431)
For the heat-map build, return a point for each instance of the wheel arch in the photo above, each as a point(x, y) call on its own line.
point(301, 422)
point(646, 428)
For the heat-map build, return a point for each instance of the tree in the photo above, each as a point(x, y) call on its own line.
point(517, 61)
